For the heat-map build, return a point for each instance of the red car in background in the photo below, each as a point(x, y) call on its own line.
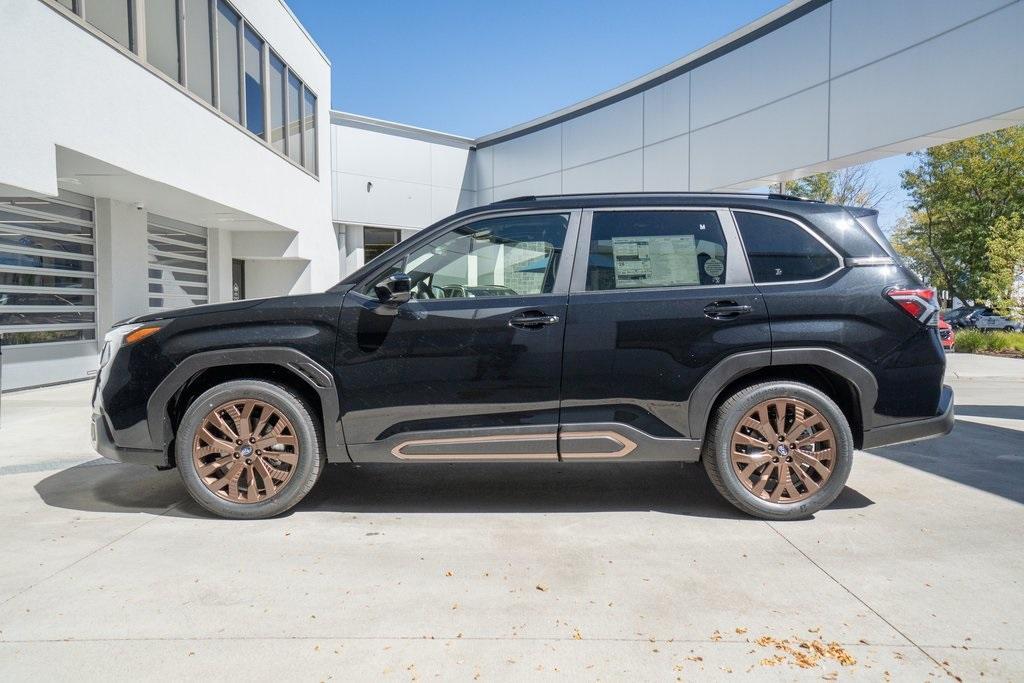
point(946, 334)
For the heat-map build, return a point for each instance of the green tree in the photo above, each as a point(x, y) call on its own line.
point(1005, 277)
point(958, 192)
point(852, 186)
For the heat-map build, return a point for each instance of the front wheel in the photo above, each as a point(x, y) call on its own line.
point(779, 450)
point(248, 449)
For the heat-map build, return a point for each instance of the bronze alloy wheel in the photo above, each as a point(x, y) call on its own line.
point(783, 450)
point(245, 451)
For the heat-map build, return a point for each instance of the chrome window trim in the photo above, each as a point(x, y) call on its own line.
point(729, 232)
point(810, 231)
point(138, 56)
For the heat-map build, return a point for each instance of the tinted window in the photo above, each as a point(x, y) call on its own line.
point(309, 130)
point(111, 17)
point(636, 249)
point(781, 251)
point(294, 124)
point(199, 69)
point(277, 112)
point(162, 35)
point(253, 52)
point(508, 256)
point(227, 52)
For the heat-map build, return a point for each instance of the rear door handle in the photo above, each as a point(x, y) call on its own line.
point(532, 320)
point(724, 310)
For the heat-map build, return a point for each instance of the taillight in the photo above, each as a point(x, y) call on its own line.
point(917, 303)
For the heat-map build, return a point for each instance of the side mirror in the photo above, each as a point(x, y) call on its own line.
point(395, 289)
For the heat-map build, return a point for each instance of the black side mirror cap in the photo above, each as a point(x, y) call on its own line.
point(395, 289)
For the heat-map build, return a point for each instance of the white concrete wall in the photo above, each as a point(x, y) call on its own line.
point(62, 86)
point(413, 181)
point(850, 81)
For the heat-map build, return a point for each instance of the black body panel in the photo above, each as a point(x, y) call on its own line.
point(629, 374)
point(448, 364)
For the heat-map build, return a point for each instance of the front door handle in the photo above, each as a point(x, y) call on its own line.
point(532, 321)
point(724, 310)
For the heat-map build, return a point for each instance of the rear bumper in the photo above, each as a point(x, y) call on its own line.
point(915, 430)
point(104, 444)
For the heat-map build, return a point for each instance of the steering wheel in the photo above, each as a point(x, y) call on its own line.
point(424, 291)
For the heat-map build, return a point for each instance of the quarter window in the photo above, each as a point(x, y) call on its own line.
point(779, 250)
point(495, 257)
point(639, 249)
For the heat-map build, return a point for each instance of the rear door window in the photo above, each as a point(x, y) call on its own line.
point(780, 250)
point(643, 249)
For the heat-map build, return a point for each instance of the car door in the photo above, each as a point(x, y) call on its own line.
point(658, 297)
point(468, 369)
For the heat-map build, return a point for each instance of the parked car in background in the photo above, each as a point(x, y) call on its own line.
point(946, 334)
point(965, 316)
point(997, 322)
point(766, 337)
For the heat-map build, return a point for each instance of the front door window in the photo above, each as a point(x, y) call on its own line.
point(495, 257)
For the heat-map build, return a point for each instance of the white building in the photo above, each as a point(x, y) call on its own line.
point(162, 153)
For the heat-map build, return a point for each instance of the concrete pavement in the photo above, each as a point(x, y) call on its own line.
point(486, 572)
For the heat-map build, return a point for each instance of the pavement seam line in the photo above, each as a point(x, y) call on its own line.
point(91, 553)
point(861, 601)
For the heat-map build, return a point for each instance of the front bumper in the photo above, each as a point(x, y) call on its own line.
point(104, 444)
point(915, 430)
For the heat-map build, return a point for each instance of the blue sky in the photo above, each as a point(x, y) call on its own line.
point(472, 68)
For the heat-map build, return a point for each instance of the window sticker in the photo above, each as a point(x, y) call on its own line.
point(655, 261)
point(714, 267)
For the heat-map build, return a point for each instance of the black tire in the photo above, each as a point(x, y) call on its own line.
point(718, 439)
point(311, 460)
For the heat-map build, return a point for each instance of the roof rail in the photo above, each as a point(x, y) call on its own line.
point(792, 197)
point(523, 198)
point(766, 195)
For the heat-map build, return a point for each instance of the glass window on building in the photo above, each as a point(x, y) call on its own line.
point(309, 130)
point(199, 68)
point(70, 4)
point(637, 249)
point(162, 36)
point(294, 121)
point(113, 17)
point(252, 50)
point(378, 240)
point(277, 109)
point(47, 270)
point(229, 91)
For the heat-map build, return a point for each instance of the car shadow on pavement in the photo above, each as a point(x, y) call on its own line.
point(105, 486)
point(979, 455)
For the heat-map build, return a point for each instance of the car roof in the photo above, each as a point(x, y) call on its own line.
point(611, 199)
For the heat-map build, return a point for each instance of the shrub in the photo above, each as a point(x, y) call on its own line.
point(976, 341)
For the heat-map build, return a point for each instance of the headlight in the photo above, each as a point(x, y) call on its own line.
point(125, 335)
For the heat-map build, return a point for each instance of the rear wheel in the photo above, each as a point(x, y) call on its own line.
point(779, 450)
point(248, 449)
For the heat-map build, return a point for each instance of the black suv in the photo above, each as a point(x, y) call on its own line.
point(767, 337)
